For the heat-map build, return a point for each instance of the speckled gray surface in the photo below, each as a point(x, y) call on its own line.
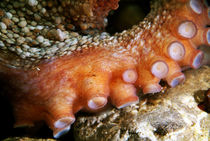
point(172, 116)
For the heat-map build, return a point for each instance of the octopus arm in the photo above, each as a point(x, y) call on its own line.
point(156, 49)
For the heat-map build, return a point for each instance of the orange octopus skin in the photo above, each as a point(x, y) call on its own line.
point(155, 49)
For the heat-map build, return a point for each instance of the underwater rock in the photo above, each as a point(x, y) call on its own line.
point(172, 115)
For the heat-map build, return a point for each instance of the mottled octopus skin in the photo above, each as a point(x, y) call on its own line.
point(89, 13)
point(155, 49)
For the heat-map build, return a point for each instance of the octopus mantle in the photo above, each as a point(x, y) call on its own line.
point(110, 68)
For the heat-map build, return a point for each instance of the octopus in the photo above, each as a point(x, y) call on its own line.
point(49, 71)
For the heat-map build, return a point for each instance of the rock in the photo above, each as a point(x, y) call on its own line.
point(32, 2)
point(22, 23)
point(173, 115)
point(3, 26)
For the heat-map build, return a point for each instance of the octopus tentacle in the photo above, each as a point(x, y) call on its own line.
point(127, 93)
point(95, 89)
point(147, 81)
point(101, 67)
point(23, 119)
point(207, 36)
point(59, 111)
point(203, 37)
point(61, 131)
point(187, 29)
point(159, 69)
point(174, 76)
point(176, 50)
point(193, 57)
point(130, 76)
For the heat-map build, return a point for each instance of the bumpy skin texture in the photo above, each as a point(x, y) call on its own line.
point(155, 49)
point(89, 13)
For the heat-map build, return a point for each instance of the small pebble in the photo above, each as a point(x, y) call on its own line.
point(9, 15)
point(16, 4)
point(33, 23)
point(39, 27)
point(9, 41)
point(37, 17)
point(22, 23)
point(21, 14)
point(15, 19)
point(4, 31)
point(39, 6)
point(32, 2)
point(31, 27)
point(9, 35)
point(13, 12)
point(43, 11)
point(19, 50)
point(60, 45)
point(61, 35)
point(58, 20)
point(2, 44)
point(25, 47)
point(54, 49)
point(25, 29)
point(40, 39)
point(34, 50)
point(7, 21)
point(16, 35)
point(3, 25)
point(1, 13)
point(27, 54)
point(46, 43)
point(20, 40)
